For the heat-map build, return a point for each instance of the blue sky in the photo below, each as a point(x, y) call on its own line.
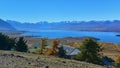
point(59, 10)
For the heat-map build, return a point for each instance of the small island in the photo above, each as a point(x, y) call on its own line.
point(118, 35)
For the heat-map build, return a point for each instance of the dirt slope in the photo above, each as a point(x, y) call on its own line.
point(10, 59)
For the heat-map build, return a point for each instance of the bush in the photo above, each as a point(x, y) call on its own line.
point(38, 51)
point(62, 52)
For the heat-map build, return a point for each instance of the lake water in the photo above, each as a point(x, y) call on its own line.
point(103, 36)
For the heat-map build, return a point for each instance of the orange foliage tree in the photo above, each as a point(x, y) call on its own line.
point(118, 59)
point(54, 49)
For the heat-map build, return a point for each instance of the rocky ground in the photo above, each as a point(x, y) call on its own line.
point(12, 59)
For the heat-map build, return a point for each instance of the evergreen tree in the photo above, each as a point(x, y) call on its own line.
point(12, 43)
point(6, 43)
point(21, 45)
point(62, 52)
point(90, 52)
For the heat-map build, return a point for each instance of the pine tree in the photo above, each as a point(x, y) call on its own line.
point(90, 52)
point(6, 43)
point(21, 45)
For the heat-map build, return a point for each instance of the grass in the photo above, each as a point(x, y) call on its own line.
point(13, 59)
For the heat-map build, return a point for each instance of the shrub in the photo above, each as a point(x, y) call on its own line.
point(38, 51)
point(62, 52)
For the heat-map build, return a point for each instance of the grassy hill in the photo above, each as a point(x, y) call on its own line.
point(13, 59)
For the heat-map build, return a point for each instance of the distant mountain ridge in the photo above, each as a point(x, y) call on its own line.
point(4, 26)
point(110, 26)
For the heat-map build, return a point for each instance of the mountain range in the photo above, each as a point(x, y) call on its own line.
point(4, 26)
point(109, 26)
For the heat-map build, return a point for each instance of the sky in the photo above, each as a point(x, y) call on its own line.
point(59, 10)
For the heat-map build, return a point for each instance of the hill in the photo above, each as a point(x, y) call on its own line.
point(110, 26)
point(4, 26)
point(26, 60)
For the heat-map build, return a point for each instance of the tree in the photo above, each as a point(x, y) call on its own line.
point(43, 45)
point(21, 45)
point(6, 43)
point(117, 63)
point(62, 52)
point(54, 48)
point(90, 51)
point(118, 58)
point(12, 43)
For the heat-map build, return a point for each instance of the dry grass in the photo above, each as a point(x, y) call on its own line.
point(109, 50)
point(25, 60)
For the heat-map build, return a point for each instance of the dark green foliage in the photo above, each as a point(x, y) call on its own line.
point(62, 52)
point(21, 45)
point(6, 43)
point(90, 52)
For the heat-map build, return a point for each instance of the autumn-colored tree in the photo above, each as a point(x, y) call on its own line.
point(118, 59)
point(55, 44)
point(43, 44)
point(54, 49)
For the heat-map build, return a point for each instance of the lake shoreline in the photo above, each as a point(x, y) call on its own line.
point(52, 34)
